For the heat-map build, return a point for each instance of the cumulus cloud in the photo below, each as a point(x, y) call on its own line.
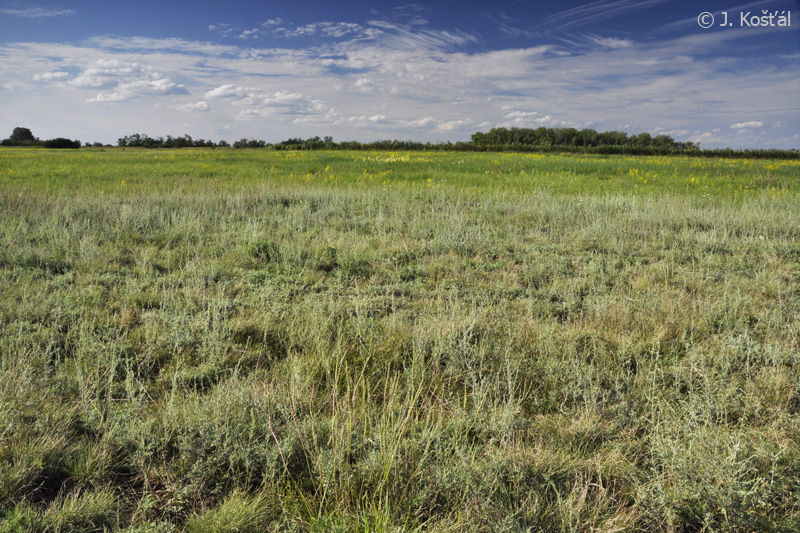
point(453, 125)
point(131, 90)
point(229, 90)
point(51, 76)
point(108, 73)
point(431, 123)
point(675, 134)
point(254, 96)
point(746, 125)
point(425, 122)
point(705, 137)
point(123, 81)
point(528, 118)
point(285, 105)
point(364, 120)
point(250, 34)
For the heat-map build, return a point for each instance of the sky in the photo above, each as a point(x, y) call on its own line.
point(97, 70)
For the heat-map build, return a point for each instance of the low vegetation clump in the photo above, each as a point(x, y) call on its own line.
point(24, 137)
point(208, 340)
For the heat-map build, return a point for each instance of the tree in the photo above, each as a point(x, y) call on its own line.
point(22, 136)
point(61, 142)
point(643, 139)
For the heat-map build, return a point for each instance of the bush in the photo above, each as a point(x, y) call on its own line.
point(61, 142)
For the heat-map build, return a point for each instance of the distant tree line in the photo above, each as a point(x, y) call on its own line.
point(543, 140)
point(569, 140)
point(522, 138)
point(24, 137)
point(608, 142)
point(142, 140)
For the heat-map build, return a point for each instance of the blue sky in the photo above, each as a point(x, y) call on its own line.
point(430, 71)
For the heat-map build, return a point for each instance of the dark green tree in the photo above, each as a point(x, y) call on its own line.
point(61, 142)
point(22, 136)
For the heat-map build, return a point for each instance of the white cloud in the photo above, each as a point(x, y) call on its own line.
point(705, 137)
point(675, 134)
point(51, 76)
point(589, 13)
point(130, 90)
point(390, 80)
point(255, 103)
point(229, 90)
point(325, 29)
point(252, 96)
point(147, 45)
point(37, 12)
point(378, 119)
point(611, 42)
point(531, 116)
point(529, 119)
point(107, 73)
point(746, 125)
point(226, 30)
point(122, 81)
point(426, 122)
point(197, 106)
point(251, 34)
point(406, 37)
point(413, 35)
point(454, 125)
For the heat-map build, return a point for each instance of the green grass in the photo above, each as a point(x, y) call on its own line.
point(341, 341)
point(133, 171)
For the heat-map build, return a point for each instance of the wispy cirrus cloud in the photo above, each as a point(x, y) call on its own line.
point(151, 45)
point(611, 42)
point(413, 34)
point(37, 12)
point(590, 13)
point(278, 28)
point(407, 36)
point(335, 30)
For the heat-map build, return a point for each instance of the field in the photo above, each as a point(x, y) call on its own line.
point(232, 340)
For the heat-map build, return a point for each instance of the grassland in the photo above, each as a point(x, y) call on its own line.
point(224, 340)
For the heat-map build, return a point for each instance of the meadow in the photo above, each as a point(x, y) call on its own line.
point(234, 340)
